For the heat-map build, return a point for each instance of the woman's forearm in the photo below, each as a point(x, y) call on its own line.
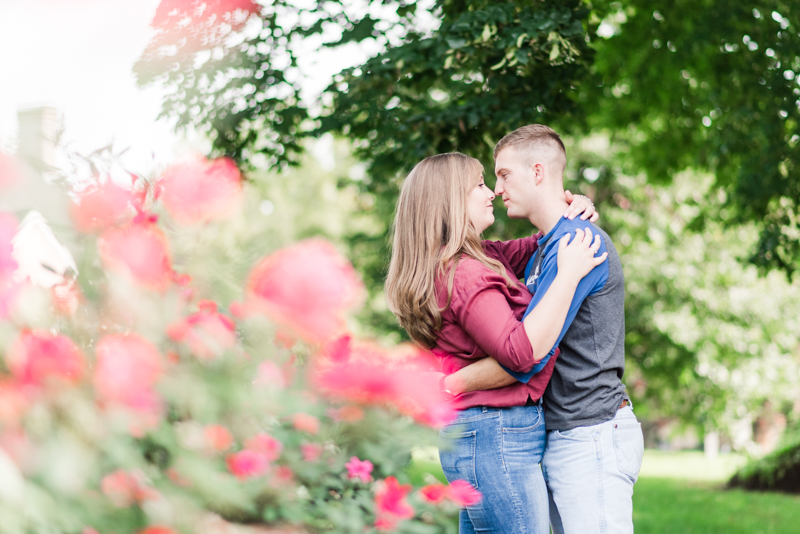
point(544, 323)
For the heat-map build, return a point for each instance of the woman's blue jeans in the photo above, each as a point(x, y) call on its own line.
point(499, 451)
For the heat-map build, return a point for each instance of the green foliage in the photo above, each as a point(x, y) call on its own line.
point(711, 85)
point(235, 76)
point(486, 70)
point(778, 471)
point(680, 91)
point(707, 338)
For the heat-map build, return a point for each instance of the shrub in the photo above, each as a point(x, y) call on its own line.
point(146, 406)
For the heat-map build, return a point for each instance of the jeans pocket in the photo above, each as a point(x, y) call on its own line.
point(629, 448)
point(457, 455)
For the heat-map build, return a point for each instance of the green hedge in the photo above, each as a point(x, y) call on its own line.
point(778, 471)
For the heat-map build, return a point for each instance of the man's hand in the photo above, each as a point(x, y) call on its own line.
point(481, 375)
point(579, 204)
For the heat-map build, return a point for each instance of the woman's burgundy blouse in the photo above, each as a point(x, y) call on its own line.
point(484, 318)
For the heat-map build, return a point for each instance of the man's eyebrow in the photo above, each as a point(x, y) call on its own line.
point(498, 171)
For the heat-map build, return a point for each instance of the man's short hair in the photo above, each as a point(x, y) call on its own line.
point(527, 138)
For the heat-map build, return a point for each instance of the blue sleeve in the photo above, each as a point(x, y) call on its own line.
point(589, 285)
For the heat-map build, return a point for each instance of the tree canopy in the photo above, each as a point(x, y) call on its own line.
point(709, 85)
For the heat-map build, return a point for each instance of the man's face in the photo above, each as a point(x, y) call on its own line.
point(515, 183)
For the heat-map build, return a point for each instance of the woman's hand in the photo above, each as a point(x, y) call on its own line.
point(576, 257)
point(579, 204)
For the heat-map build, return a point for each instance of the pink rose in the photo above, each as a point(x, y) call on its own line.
point(305, 423)
point(311, 451)
point(37, 356)
point(218, 438)
point(201, 190)
point(100, 206)
point(358, 469)
point(308, 287)
point(463, 494)
point(247, 464)
point(391, 505)
point(265, 444)
point(139, 250)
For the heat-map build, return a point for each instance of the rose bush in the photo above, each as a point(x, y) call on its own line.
point(154, 405)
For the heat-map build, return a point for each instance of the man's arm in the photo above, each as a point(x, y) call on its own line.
point(481, 375)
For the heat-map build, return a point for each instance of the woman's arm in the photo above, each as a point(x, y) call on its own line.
point(575, 260)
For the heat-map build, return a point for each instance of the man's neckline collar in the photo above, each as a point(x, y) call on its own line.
point(545, 238)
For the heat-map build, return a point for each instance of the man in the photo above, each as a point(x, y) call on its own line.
point(594, 442)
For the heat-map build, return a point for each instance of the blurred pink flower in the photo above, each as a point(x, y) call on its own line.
point(125, 488)
point(207, 332)
point(311, 451)
point(265, 444)
point(390, 503)
point(307, 287)
point(218, 438)
point(305, 423)
point(201, 190)
point(8, 287)
point(360, 469)
point(270, 374)
point(368, 374)
point(284, 339)
point(158, 530)
point(202, 9)
point(462, 493)
point(283, 475)
point(101, 206)
point(14, 401)
point(8, 227)
point(127, 366)
point(177, 478)
point(10, 173)
point(37, 356)
point(139, 250)
point(247, 464)
point(346, 414)
point(434, 493)
point(66, 297)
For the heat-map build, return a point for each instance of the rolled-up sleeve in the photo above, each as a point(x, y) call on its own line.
point(483, 311)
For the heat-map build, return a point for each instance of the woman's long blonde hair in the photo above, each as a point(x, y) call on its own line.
point(432, 231)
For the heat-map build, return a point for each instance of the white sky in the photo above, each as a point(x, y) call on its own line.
point(78, 56)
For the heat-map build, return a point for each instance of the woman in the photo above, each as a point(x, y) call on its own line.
point(462, 299)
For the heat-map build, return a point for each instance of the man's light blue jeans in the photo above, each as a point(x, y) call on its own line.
point(498, 451)
point(590, 473)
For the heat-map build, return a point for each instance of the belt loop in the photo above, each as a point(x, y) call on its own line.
point(485, 409)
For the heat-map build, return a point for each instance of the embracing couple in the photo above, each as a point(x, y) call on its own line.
point(544, 428)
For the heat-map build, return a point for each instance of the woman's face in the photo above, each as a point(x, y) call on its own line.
point(479, 206)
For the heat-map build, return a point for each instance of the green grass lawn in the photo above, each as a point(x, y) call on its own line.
point(675, 506)
point(683, 493)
